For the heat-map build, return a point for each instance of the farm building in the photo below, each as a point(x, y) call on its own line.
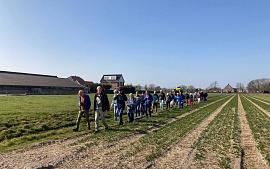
point(115, 80)
point(81, 81)
point(27, 83)
point(229, 89)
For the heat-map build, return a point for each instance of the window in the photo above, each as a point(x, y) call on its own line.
point(109, 77)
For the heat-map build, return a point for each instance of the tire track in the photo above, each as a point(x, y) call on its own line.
point(252, 158)
point(182, 154)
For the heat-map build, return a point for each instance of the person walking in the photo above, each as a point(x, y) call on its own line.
point(138, 105)
point(148, 99)
point(114, 106)
point(101, 105)
point(155, 102)
point(168, 101)
point(142, 104)
point(120, 100)
point(179, 100)
point(84, 104)
point(131, 104)
point(162, 99)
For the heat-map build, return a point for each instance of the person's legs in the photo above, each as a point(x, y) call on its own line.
point(146, 110)
point(120, 116)
point(102, 117)
point(79, 120)
point(150, 110)
point(116, 113)
point(87, 119)
point(96, 119)
point(161, 105)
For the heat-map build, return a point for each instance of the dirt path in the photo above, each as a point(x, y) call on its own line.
point(60, 153)
point(259, 107)
point(252, 158)
point(182, 154)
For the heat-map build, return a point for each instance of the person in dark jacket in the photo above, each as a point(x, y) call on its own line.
point(84, 104)
point(162, 99)
point(155, 102)
point(205, 95)
point(101, 105)
point(148, 99)
point(120, 99)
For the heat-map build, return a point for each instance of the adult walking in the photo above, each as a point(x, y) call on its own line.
point(155, 102)
point(84, 104)
point(120, 100)
point(101, 105)
point(148, 99)
point(162, 99)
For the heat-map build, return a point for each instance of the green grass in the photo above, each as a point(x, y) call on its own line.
point(29, 119)
point(168, 135)
point(263, 97)
point(261, 104)
point(260, 126)
point(221, 137)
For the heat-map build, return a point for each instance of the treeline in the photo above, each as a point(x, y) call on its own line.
point(259, 86)
point(138, 88)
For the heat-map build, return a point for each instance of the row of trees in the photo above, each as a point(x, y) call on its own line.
point(259, 85)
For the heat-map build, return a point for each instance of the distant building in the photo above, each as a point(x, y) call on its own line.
point(214, 90)
point(78, 80)
point(27, 83)
point(229, 89)
point(115, 80)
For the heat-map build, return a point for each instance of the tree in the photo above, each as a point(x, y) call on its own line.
point(151, 87)
point(259, 85)
point(240, 87)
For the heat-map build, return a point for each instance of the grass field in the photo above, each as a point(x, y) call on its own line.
point(28, 119)
point(206, 134)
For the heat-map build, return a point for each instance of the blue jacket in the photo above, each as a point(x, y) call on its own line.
point(148, 99)
point(179, 98)
point(87, 102)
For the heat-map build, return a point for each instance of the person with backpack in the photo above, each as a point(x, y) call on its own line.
point(148, 99)
point(84, 104)
point(131, 104)
point(155, 102)
point(101, 105)
point(162, 99)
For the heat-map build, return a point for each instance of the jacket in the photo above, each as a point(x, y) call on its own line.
point(104, 102)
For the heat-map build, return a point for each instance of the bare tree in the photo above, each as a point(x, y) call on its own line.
point(240, 87)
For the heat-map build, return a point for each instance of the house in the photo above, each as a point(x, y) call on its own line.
point(28, 83)
point(115, 80)
point(229, 89)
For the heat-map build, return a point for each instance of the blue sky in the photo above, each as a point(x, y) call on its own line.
point(165, 42)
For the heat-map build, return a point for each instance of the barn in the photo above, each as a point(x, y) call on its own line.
point(27, 83)
point(229, 89)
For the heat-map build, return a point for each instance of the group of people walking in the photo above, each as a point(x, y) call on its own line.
point(140, 104)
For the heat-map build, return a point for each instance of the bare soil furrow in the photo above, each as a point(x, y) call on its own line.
point(182, 154)
point(252, 158)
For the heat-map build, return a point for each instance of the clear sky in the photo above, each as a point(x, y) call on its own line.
point(165, 42)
